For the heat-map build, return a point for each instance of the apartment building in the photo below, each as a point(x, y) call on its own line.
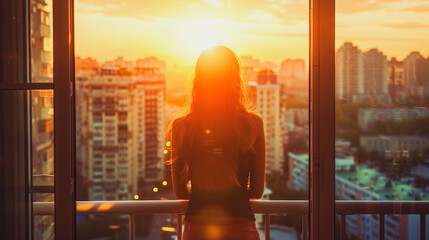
point(392, 146)
point(368, 116)
point(123, 120)
point(265, 96)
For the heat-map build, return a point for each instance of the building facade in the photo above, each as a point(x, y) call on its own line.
point(293, 78)
point(411, 86)
point(396, 79)
point(265, 96)
point(376, 75)
point(123, 120)
point(368, 116)
point(349, 73)
point(391, 146)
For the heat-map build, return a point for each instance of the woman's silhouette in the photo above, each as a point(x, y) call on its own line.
point(219, 146)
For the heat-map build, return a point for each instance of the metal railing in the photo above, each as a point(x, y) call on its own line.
point(381, 208)
point(178, 207)
point(264, 207)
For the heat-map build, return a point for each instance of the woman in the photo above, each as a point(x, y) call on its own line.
point(219, 146)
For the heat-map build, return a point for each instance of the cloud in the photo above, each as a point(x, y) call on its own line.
point(214, 3)
point(272, 11)
point(418, 9)
point(357, 6)
point(263, 16)
point(406, 25)
point(281, 35)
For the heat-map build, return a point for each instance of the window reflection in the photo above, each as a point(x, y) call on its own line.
point(42, 117)
point(42, 114)
point(41, 43)
point(43, 226)
point(42, 130)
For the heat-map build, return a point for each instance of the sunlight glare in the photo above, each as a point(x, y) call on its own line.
point(199, 39)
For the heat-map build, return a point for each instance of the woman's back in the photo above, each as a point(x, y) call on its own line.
point(219, 146)
point(219, 169)
point(216, 160)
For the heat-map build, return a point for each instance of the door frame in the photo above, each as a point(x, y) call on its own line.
point(64, 120)
point(322, 119)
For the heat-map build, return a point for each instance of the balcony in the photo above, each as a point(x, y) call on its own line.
point(343, 208)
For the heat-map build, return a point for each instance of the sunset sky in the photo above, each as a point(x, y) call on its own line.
point(177, 31)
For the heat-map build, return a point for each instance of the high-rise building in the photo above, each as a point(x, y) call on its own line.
point(422, 79)
point(411, 86)
point(293, 77)
point(250, 68)
point(151, 62)
point(396, 80)
point(85, 65)
point(149, 122)
point(122, 115)
point(121, 63)
point(375, 76)
point(293, 69)
point(349, 73)
point(265, 96)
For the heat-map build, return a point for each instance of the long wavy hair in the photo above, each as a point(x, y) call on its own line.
point(218, 107)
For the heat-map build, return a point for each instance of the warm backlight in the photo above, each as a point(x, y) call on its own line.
point(168, 229)
point(105, 206)
point(114, 226)
point(199, 39)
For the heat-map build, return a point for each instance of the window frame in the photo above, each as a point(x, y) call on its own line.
point(64, 120)
point(322, 119)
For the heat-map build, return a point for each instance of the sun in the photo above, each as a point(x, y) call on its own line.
point(200, 39)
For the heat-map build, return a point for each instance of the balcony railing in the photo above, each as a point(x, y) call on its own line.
point(264, 207)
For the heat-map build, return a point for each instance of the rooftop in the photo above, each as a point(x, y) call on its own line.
point(379, 185)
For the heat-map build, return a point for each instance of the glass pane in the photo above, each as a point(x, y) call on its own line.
point(41, 40)
point(382, 139)
point(42, 169)
point(42, 117)
point(43, 225)
point(130, 87)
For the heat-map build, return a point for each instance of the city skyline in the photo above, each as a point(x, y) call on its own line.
point(244, 59)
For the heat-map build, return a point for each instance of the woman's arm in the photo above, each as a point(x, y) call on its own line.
point(178, 162)
point(257, 166)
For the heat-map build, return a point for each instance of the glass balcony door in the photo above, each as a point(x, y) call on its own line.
point(36, 92)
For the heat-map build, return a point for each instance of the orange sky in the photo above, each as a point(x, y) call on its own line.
point(177, 31)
